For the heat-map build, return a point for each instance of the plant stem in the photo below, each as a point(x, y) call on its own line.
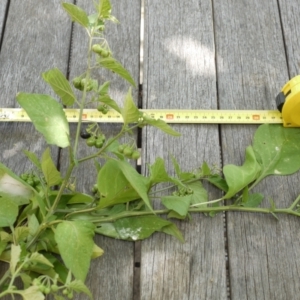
point(83, 99)
point(295, 203)
point(127, 214)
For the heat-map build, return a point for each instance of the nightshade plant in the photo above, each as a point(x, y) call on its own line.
point(47, 226)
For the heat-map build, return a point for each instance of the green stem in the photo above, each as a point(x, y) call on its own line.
point(4, 278)
point(127, 214)
point(294, 204)
point(83, 99)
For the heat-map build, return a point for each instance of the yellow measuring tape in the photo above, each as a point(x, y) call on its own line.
point(179, 116)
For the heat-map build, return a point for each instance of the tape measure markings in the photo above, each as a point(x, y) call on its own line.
point(169, 115)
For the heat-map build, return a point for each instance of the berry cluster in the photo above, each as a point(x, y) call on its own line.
point(129, 152)
point(31, 179)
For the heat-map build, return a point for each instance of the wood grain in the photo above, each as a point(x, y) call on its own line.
point(179, 60)
point(35, 40)
point(263, 253)
point(3, 6)
point(111, 276)
point(289, 12)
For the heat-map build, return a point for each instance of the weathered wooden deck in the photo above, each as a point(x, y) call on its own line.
point(227, 54)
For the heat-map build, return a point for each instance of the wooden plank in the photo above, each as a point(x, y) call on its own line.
point(251, 70)
point(289, 12)
point(179, 60)
point(35, 40)
point(111, 276)
point(3, 6)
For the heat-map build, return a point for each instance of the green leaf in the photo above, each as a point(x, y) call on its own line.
point(97, 251)
point(107, 229)
point(158, 172)
point(40, 259)
point(219, 182)
point(163, 126)
point(178, 204)
point(15, 257)
point(109, 102)
point(79, 287)
point(60, 85)
point(205, 169)
point(173, 230)
point(103, 89)
point(2, 246)
point(114, 66)
point(77, 14)
point(33, 224)
point(136, 180)
point(48, 117)
point(8, 212)
point(254, 200)
point(52, 175)
point(80, 198)
point(104, 9)
point(130, 112)
point(277, 149)
point(239, 177)
point(33, 158)
point(75, 243)
point(141, 227)
point(116, 188)
point(21, 233)
point(14, 187)
point(199, 194)
point(32, 293)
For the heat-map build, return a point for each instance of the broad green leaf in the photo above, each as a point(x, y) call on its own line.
point(79, 287)
point(104, 9)
point(173, 230)
point(277, 149)
point(33, 224)
point(77, 14)
point(130, 112)
point(118, 182)
point(13, 186)
point(205, 169)
point(199, 194)
point(39, 258)
point(26, 279)
point(163, 126)
point(107, 229)
point(15, 258)
point(97, 251)
point(176, 166)
point(254, 200)
point(80, 198)
point(109, 102)
point(8, 212)
point(140, 227)
point(32, 293)
point(75, 243)
point(158, 172)
point(60, 86)
point(238, 177)
point(178, 204)
point(2, 246)
point(219, 182)
point(48, 117)
point(33, 158)
point(103, 89)
point(52, 175)
point(113, 65)
point(21, 233)
point(5, 237)
point(136, 180)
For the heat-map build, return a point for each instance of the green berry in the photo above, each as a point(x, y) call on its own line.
point(47, 290)
point(97, 48)
point(135, 154)
point(127, 151)
point(121, 148)
point(54, 287)
point(99, 143)
point(77, 83)
point(91, 141)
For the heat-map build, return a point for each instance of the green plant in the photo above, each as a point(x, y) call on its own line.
point(47, 226)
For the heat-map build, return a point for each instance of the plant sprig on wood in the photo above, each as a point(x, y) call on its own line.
point(47, 226)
